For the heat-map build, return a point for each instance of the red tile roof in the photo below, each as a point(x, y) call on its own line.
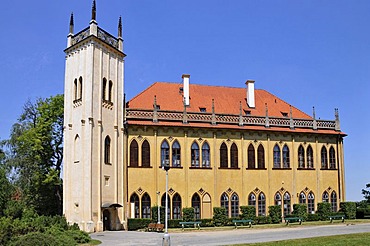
point(226, 100)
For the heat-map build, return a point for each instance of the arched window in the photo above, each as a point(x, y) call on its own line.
point(104, 89)
point(195, 155)
point(80, 84)
point(325, 197)
point(324, 158)
point(107, 150)
point(334, 202)
point(195, 203)
point(234, 156)
point(134, 154)
point(286, 159)
point(76, 149)
point(252, 200)
point(145, 154)
point(277, 158)
point(301, 157)
point(163, 204)
point(261, 204)
point(251, 157)
point(311, 203)
point(206, 160)
point(261, 156)
point(277, 199)
point(176, 206)
point(165, 154)
point(234, 205)
point(309, 157)
point(110, 90)
point(225, 202)
point(302, 198)
point(134, 200)
point(286, 201)
point(75, 90)
point(223, 156)
point(145, 206)
point(176, 154)
point(332, 158)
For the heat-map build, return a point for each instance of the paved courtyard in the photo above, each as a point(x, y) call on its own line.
point(227, 237)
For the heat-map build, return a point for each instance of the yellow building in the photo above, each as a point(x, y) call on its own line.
point(226, 146)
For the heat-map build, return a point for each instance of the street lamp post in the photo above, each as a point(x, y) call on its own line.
point(159, 211)
point(166, 237)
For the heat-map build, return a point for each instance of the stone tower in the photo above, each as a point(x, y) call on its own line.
point(93, 173)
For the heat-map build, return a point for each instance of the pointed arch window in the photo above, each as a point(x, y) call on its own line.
point(145, 206)
point(134, 200)
point(324, 158)
point(223, 156)
point(176, 154)
point(176, 206)
point(107, 150)
point(301, 160)
point(134, 154)
point(165, 154)
point(261, 204)
point(251, 157)
point(286, 201)
point(234, 156)
point(311, 202)
point(145, 154)
point(277, 199)
point(163, 204)
point(325, 197)
point(206, 157)
point(310, 157)
point(286, 159)
point(261, 156)
point(332, 158)
point(104, 90)
point(195, 155)
point(80, 89)
point(277, 158)
point(225, 202)
point(110, 91)
point(76, 149)
point(252, 200)
point(334, 202)
point(75, 90)
point(302, 198)
point(234, 205)
point(195, 203)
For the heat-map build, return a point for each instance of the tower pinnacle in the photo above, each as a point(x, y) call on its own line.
point(71, 24)
point(93, 11)
point(120, 27)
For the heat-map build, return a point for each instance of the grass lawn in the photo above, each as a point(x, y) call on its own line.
point(350, 239)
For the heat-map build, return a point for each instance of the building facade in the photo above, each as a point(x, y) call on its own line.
point(226, 147)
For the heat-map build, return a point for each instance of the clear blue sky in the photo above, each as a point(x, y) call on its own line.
point(309, 53)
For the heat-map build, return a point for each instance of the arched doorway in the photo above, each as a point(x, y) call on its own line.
point(106, 220)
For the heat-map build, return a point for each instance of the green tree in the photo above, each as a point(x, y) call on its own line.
point(6, 190)
point(36, 154)
point(366, 192)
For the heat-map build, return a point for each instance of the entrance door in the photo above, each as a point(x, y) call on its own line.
point(106, 220)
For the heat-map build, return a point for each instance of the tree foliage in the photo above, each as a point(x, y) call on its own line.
point(366, 192)
point(36, 153)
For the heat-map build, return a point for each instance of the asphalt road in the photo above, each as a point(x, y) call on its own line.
point(228, 237)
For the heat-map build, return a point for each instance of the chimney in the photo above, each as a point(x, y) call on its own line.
point(250, 93)
point(185, 80)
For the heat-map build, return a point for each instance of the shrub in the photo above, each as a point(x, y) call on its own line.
point(313, 217)
point(14, 209)
point(135, 224)
point(42, 239)
point(5, 230)
point(79, 236)
point(175, 223)
point(263, 220)
point(155, 214)
point(275, 213)
point(188, 214)
point(206, 223)
point(300, 210)
point(219, 216)
point(248, 212)
point(323, 210)
point(349, 209)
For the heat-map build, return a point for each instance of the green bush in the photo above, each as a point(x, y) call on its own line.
point(300, 210)
point(323, 210)
point(175, 223)
point(188, 214)
point(5, 230)
point(135, 224)
point(79, 236)
point(43, 239)
point(313, 217)
point(263, 220)
point(207, 223)
point(219, 216)
point(14, 209)
point(248, 212)
point(362, 213)
point(349, 209)
point(275, 213)
point(155, 214)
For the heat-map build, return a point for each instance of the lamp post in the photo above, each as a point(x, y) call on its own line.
point(159, 210)
point(166, 237)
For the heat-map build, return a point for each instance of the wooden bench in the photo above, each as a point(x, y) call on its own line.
point(196, 224)
point(337, 217)
point(236, 222)
point(293, 219)
point(155, 227)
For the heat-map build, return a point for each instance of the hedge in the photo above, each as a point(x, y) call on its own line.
point(275, 213)
point(248, 212)
point(135, 224)
point(263, 220)
point(219, 216)
point(188, 214)
point(323, 210)
point(300, 210)
point(349, 209)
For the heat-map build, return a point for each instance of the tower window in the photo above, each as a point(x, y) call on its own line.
point(110, 91)
point(104, 89)
point(107, 150)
